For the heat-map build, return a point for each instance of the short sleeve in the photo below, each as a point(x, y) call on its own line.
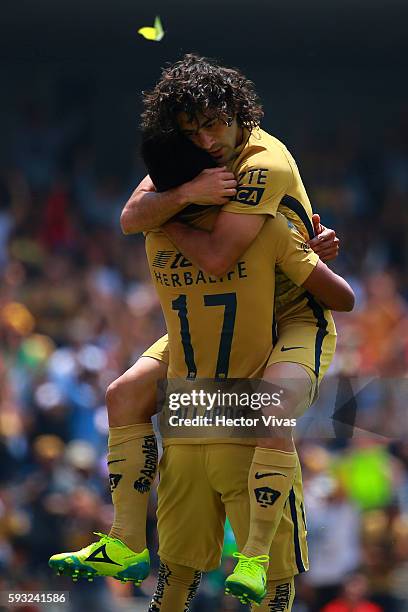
point(262, 183)
point(294, 256)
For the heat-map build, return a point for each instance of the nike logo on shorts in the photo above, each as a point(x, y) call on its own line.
point(258, 475)
point(290, 348)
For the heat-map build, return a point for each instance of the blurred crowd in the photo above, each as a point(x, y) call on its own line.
point(77, 308)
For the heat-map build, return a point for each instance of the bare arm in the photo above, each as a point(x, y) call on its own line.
point(330, 288)
point(147, 209)
point(217, 251)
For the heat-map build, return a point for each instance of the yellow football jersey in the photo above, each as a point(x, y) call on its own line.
point(269, 181)
point(223, 327)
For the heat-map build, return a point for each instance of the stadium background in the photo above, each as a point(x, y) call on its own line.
point(76, 303)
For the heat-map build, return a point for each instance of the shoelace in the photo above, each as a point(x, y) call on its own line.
point(251, 564)
point(106, 538)
point(103, 536)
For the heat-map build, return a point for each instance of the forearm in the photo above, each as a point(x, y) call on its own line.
point(330, 288)
point(198, 246)
point(147, 210)
point(216, 252)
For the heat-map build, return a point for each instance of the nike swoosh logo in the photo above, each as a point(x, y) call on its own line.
point(115, 461)
point(258, 475)
point(290, 348)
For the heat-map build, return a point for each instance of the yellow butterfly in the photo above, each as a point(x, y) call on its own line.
point(154, 33)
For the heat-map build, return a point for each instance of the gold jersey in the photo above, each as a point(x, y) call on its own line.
point(223, 327)
point(269, 181)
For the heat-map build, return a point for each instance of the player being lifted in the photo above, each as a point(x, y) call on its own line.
point(218, 111)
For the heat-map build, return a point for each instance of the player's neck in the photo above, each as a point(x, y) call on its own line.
point(240, 136)
point(238, 143)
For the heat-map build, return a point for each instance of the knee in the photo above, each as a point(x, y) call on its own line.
point(131, 398)
point(120, 404)
point(135, 386)
point(115, 394)
point(295, 397)
point(298, 385)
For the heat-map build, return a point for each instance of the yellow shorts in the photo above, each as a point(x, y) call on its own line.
point(202, 484)
point(303, 340)
point(300, 342)
point(159, 350)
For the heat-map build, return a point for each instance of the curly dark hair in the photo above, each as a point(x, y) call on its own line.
point(197, 85)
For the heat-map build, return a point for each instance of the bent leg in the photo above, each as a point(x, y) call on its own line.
point(132, 462)
point(132, 457)
point(272, 473)
point(131, 398)
point(288, 554)
point(298, 385)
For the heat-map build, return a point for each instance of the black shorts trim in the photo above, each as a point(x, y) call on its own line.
point(321, 324)
point(296, 542)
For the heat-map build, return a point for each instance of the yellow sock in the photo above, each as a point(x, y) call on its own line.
point(280, 596)
point(270, 480)
point(132, 463)
point(176, 588)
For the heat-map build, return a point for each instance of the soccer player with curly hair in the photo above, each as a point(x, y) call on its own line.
point(212, 259)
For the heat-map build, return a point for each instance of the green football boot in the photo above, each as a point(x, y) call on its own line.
point(248, 580)
point(108, 557)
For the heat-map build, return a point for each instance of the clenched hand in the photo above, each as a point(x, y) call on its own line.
point(325, 243)
point(211, 186)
